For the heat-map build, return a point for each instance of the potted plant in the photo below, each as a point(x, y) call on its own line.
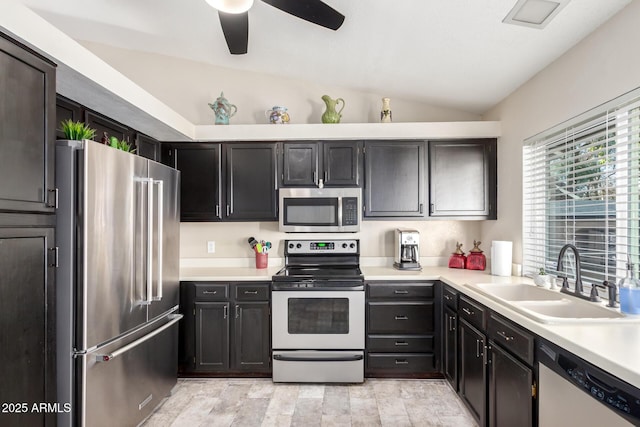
point(121, 144)
point(76, 131)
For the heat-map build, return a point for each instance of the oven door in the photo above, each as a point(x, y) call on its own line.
point(317, 320)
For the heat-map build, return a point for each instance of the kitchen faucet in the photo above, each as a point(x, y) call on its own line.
point(578, 289)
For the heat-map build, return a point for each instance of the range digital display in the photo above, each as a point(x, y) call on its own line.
point(322, 245)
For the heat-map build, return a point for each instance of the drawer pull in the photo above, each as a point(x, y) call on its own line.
point(402, 318)
point(251, 292)
point(467, 311)
point(400, 292)
point(506, 337)
point(209, 292)
point(447, 297)
point(402, 362)
point(401, 343)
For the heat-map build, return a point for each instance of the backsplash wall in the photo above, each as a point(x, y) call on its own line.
point(437, 238)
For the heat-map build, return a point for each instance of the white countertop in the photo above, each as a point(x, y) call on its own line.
point(613, 347)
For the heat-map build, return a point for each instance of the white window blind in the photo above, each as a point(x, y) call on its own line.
point(580, 184)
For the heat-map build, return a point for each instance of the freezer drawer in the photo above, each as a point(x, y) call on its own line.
point(124, 388)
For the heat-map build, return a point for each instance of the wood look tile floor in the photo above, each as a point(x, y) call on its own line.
point(260, 402)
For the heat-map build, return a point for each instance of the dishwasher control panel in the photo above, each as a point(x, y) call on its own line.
point(619, 395)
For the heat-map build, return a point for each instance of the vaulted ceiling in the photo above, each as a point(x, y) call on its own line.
point(453, 53)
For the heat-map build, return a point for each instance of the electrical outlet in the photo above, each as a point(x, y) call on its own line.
point(211, 247)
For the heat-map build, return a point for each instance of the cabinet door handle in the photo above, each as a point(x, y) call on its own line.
point(315, 177)
point(506, 337)
point(228, 210)
point(400, 292)
point(467, 311)
point(238, 311)
point(479, 348)
point(225, 312)
point(326, 176)
point(209, 292)
point(454, 320)
point(251, 292)
point(401, 343)
point(402, 318)
point(432, 208)
point(402, 362)
point(217, 211)
point(421, 208)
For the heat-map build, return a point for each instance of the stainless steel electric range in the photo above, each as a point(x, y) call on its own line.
point(317, 324)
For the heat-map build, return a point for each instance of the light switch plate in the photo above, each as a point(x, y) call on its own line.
point(211, 247)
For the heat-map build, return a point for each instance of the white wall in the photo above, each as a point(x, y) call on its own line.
point(603, 66)
point(188, 87)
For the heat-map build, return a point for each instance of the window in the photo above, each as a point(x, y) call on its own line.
point(581, 187)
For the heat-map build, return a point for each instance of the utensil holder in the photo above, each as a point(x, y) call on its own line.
point(262, 260)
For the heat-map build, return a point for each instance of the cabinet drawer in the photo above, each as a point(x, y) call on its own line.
point(400, 318)
point(252, 292)
point(399, 343)
point(450, 297)
point(397, 363)
point(401, 290)
point(471, 312)
point(512, 338)
point(212, 292)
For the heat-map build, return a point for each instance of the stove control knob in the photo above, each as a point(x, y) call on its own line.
point(344, 245)
point(299, 245)
point(353, 245)
point(290, 245)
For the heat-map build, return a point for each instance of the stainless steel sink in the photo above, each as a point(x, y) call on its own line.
point(550, 306)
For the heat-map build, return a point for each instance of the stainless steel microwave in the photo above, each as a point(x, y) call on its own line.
point(317, 210)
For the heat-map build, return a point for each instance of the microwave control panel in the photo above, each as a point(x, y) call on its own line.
point(350, 211)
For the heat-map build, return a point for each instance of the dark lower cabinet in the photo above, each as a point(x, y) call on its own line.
point(227, 329)
point(473, 372)
point(450, 344)
point(510, 390)
point(27, 325)
point(401, 330)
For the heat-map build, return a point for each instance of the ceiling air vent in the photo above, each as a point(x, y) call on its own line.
point(534, 13)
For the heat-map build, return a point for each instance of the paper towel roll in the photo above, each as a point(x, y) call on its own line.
point(501, 255)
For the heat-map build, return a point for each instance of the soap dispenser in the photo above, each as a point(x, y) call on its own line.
point(630, 292)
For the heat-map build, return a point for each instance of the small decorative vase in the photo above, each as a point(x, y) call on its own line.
point(331, 115)
point(457, 259)
point(476, 259)
point(223, 110)
point(277, 115)
point(385, 113)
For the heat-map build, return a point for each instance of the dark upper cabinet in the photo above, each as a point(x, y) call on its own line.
point(200, 167)
point(300, 164)
point(462, 178)
point(147, 147)
point(250, 182)
point(66, 109)
point(104, 125)
point(27, 130)
point(335, 163)
point(394, 178)
point(27, 323)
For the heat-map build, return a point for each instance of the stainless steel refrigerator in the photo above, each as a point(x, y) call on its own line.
point(117, 284)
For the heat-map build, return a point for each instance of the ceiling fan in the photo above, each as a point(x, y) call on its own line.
point(234, 17)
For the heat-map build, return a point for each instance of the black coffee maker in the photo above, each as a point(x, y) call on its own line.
point(407, 249)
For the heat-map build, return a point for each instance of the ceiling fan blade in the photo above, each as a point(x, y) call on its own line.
point(315, 11)
point(235, 27)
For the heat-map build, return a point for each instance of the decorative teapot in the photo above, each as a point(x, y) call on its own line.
point(331, 115)
point(223, 110)
point(277, 115)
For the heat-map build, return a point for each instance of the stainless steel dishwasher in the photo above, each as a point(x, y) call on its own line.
point(573, 392)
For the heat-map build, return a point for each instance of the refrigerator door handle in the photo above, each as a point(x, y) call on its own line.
point(107, 357)
point(150, 206)
point(160, 228)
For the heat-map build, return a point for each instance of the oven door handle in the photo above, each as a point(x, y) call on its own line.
point(351, 358)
